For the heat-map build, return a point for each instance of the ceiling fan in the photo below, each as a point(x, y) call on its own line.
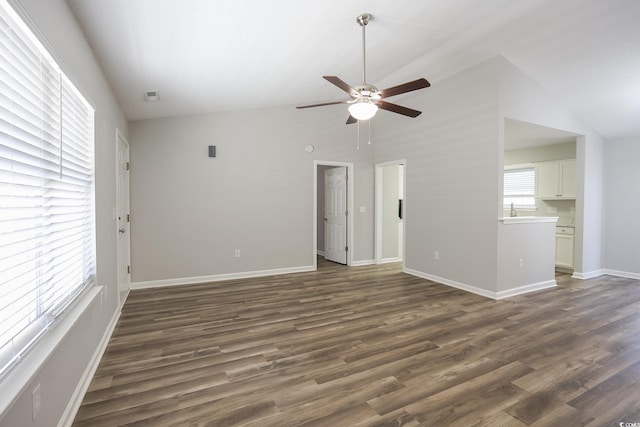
point(366, 99)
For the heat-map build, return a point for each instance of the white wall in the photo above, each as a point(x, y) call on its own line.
point(622, 207)
point(190, 212)
point(61, 374)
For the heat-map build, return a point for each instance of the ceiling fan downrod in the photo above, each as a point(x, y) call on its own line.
point(363, 20)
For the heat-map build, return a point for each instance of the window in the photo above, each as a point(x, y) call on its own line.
point(47, 245)
point(520, 187)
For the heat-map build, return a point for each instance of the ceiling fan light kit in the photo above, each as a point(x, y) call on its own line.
point(366, 99)
point(363, 109)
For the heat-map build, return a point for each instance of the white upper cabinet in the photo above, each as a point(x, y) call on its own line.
point(556, 180)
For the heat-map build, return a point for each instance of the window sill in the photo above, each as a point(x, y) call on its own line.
point(15, 383)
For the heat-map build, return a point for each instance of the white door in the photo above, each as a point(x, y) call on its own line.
point(123, 217)
point(335, 214)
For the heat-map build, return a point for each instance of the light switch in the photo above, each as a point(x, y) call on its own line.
point(363, 209)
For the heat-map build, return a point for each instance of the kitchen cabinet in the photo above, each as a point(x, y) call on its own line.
point(556, 180)
point(564, 247)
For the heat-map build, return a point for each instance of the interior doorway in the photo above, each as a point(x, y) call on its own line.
point(333, 207)
point(123, 217)
point(390, 178)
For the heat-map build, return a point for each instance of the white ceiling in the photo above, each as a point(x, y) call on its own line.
point(206, 56)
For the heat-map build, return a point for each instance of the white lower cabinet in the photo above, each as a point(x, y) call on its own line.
point(564, 247)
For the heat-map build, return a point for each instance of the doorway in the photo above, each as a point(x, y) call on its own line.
point(333, 219)
point(390, 180)
point(123, 217)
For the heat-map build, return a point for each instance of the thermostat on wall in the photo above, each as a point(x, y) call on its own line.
point(309, 148)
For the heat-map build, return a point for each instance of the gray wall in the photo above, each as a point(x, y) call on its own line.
point(190, 212)
point(452, 167)
point(62, 372)
point(622, 206)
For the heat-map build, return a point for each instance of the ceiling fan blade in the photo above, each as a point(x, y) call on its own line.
point(341, 84)
point(405, 87)
point(351, 120)
point(322, 104)
point(395, 108)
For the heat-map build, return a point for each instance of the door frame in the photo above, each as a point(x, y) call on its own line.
point(350, 241)
point(121, 137)
point(378, 211)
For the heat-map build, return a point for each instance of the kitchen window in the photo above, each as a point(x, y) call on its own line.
point(520, 187)
point(47, 244)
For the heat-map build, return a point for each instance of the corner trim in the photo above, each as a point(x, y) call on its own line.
point(219, 277)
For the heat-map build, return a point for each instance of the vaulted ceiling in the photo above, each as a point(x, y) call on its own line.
point(207, 56)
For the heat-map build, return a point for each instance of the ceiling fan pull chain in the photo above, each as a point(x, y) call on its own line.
point(370, 120)
point(358, 135)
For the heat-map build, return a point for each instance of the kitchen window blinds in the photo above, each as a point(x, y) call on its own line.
point(520, 187)
point(47, 245)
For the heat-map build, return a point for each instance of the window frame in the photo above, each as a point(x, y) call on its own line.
point(58, 306)
point(530, 167)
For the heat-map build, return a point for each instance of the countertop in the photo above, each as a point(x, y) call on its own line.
point(527, 219)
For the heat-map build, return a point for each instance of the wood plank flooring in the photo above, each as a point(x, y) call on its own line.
point(370, 346)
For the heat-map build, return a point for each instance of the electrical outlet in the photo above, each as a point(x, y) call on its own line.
point(521, 262)
point(436, 255)
point(36, 399)
point(237, 254)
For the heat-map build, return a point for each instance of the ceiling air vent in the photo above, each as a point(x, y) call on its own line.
point(151, 96)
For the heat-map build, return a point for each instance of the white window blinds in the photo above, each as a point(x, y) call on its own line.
point(47, 248)
point(520, 187)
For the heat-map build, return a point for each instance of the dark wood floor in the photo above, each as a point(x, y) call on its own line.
point(370, 346)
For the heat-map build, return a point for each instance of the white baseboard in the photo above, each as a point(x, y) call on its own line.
point(390, 260)
point(587, 275)
point(618, 273)
point(483, 292)
point(454, 284)
point(363, 262)
point(76, 400)
point(319, 252)
point(526, 289)
point(219, 277)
